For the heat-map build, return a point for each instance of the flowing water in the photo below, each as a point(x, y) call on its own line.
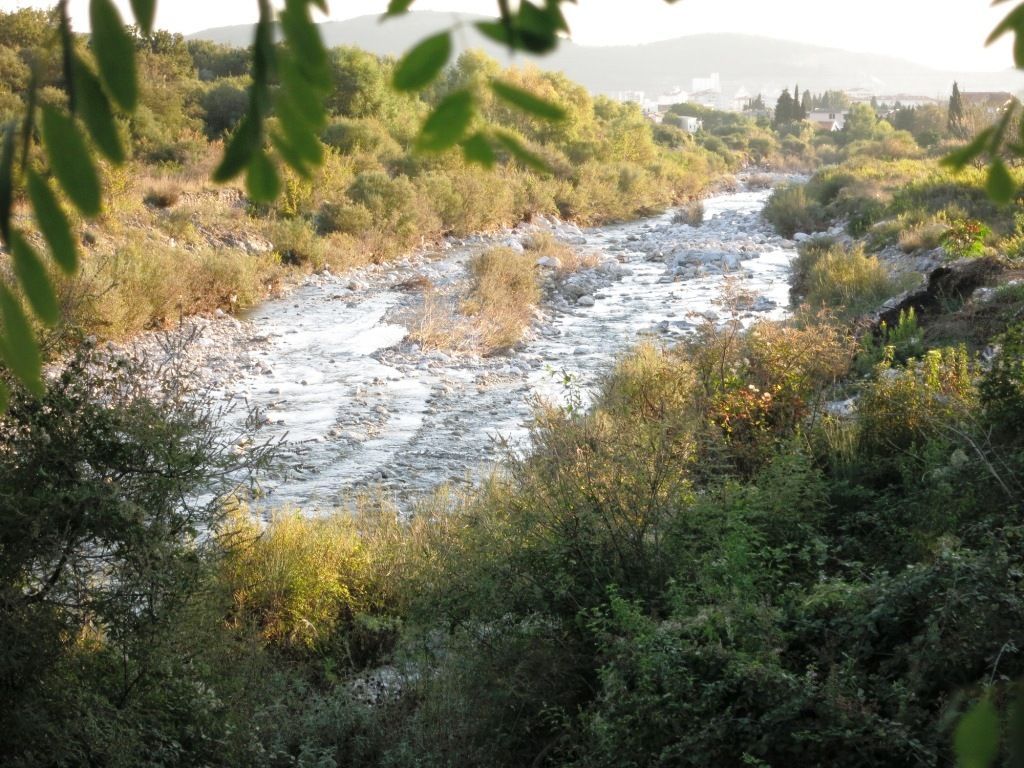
point(357, 406)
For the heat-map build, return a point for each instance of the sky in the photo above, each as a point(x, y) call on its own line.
point(944, 34)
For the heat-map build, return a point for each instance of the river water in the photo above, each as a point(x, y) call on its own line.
point(356, 406)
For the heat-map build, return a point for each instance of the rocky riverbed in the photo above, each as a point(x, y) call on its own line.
point(356, 405)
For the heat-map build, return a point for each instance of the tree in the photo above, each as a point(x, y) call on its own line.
point(786, 109)
point(805, 105)
point(101, 530)
point(957, 117)
point(861, 123)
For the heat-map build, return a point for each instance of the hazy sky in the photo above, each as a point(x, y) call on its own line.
point(947, 34)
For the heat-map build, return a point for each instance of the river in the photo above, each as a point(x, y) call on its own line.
point(356, 406)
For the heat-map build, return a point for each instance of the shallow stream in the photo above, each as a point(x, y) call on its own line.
point(357, 406)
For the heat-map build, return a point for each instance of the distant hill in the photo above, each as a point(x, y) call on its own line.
point(754, 63)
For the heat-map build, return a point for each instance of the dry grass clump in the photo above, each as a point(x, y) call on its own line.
point(541, 244)
point(437, 325)
point(164, 195)
point(759, 182)
point(502, 298)
point(842, 279)
point(927, 236)
point(150, 284)
point(691, 214)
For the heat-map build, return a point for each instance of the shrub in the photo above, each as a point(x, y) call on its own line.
point(296, 580)
point(350, 219)
point(908, 406)
point(152, 285)
point(844, 279)
point(297, 244)
point(923, 237)
point(790, 210)
point(1002, 388)
point(542, 243)
point(691, 214)
point(164, 195)
point(223, 106)
point(503, 295)
point(105, 541)
point(965, 239)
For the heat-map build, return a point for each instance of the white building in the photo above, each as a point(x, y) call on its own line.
point(908, 100)
point(630, 97)
point(830, 121)
point(690, 124)
point(707, 99)
point(675, 96)
point(712, 83)
point(740, 101)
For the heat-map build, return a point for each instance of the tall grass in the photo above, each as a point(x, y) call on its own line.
point(504, 292)
point(842, 279)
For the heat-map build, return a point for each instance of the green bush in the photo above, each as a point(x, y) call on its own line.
point(297, 244)
point(105, 543)
point(965, 239)
point(842, 279)
point(790, 210)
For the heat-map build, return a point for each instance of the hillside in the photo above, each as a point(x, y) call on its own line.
point(756, 63)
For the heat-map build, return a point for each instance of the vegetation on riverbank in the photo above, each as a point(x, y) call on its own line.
point(372, 199)
point(798, 544)
point(713, 561)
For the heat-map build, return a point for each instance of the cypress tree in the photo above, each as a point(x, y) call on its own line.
point(957, 118)
point(784, 109)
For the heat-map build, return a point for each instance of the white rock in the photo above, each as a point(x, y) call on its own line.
point(585, 301)
point(550, 262)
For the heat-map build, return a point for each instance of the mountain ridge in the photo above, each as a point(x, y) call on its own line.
point(754, 62)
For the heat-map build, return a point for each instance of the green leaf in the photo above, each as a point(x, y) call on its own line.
point(263, 64)
point(71, 161)
point(52, 223)
point(262, 181)
point(242, 145)
point(305, 43)
point(33, 279)
point(960, 158)
point(299, 133)
point(554, 12)
point(537, 28)
point(1014, 22)
point(448, 123)
point(522, 154)
point(6, 181)
point(19, 348)
point(1000, 185)
point(396, 7)
point(305, 98)
point(144, 12)
point(477, 149)
point(976, 741)
point(423, 63)
point(96, 112)
point(496, 31)
point(527, 102)
point(115, 53)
